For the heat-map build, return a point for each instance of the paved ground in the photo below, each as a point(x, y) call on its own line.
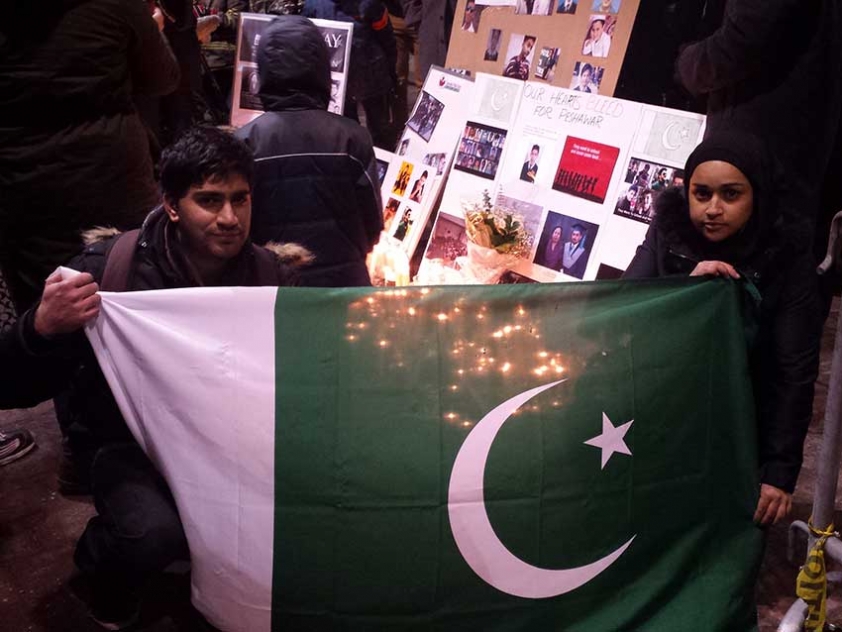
point(38, 529)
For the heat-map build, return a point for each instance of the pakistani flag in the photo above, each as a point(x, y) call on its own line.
point(576, 457)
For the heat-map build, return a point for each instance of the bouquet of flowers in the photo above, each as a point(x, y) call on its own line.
point(496, 239)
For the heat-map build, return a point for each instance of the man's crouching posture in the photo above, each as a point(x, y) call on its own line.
point(198, 237)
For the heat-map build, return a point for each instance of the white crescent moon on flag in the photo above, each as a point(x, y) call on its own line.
point(665, 138)
point(472, 530)
point(500, 98)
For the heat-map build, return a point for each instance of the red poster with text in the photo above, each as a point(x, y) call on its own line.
point(585, 169)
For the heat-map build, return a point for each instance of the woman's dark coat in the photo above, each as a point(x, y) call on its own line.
point(784, 356)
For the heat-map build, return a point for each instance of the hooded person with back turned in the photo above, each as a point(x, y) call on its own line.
point(315, 173)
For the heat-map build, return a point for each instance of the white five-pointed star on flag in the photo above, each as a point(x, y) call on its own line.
point(611, 439)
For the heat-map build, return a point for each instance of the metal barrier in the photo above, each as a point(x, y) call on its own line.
point(830, 455)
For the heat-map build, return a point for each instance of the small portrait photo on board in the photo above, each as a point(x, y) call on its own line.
point(636, 202)
point(402, 180)
point(480, 149)
point(519, 56)
point(586, 77)
point(470, 18)
point(529, 169)
point(437, 161)
point(403, 145)
point(382, 167)
point(492, 46)
point(416, 193)
point(547, 63)
point(566, 6)
point(551, 245)
point(576, 238)
point(643, 182)
point(606, 6)
point(250, 90)
point(534, 7)
point(404, 223)
point(389, 213)
point(449, 240)
point(426, 116)
point(336, 102)
point(598, 37)
point(652, 175)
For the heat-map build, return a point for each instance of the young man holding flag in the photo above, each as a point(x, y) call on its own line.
point(197, 237)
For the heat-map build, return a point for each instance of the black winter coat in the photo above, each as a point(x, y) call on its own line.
point(372, 71)
point(774, 69)
point(784, 355)
point(73, 152)
point(35, 369)
point(315, 174)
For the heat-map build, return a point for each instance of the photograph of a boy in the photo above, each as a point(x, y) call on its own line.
point(530, 166)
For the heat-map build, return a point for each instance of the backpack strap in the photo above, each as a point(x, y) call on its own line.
point(118, 262)
point(266, 266)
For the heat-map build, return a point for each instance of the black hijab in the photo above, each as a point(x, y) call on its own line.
point(762, 236)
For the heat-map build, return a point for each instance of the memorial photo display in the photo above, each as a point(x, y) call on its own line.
point(480, 150)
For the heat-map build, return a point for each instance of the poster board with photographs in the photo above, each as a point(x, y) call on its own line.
point(663, 141)
point(483, 140)
point(579, 178)
point(576, 44)
point(412, 182)
point(246, 104)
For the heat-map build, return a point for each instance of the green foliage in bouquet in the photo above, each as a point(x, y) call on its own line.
point(493, 227)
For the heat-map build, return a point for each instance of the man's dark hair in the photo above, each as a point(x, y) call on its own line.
point(578, 228)
point(201, 154)
point(529, 37)
point(535, 147)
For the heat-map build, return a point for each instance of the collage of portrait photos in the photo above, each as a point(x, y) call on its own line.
point(643, 182)
point(526, 54)
point(480, 149)
point(407, 192)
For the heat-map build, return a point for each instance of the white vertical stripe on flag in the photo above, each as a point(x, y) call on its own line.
point(193, 371)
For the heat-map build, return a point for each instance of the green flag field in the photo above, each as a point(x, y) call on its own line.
point(561, 457)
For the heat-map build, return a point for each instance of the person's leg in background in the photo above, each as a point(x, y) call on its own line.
point(378, 120)
point(17, 442)
point(407, 45)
